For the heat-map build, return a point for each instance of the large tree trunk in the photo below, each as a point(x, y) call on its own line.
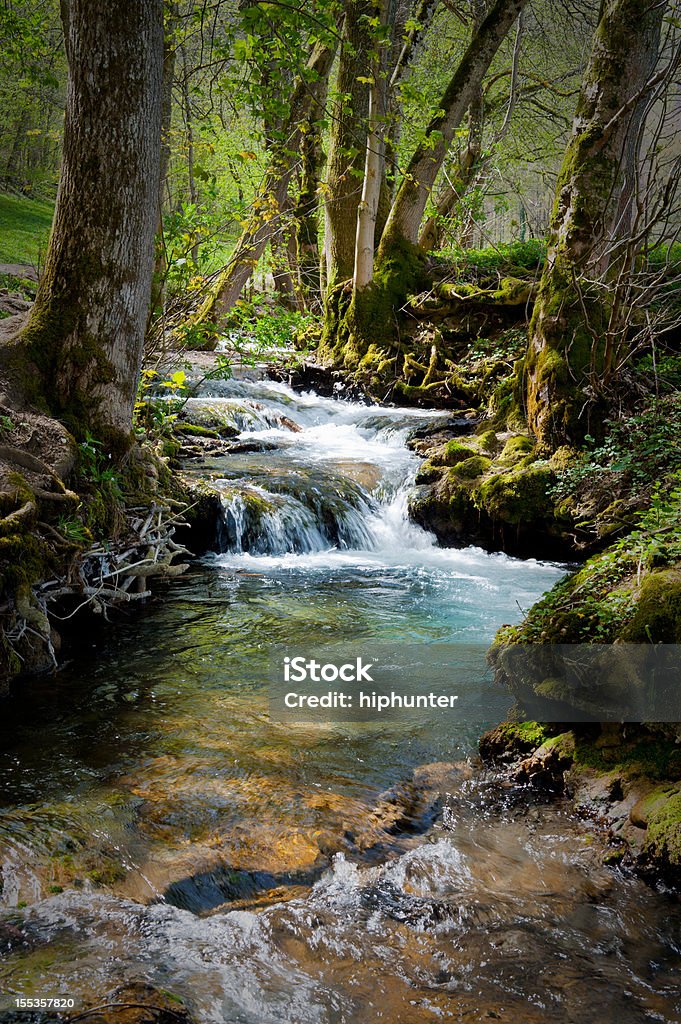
point(568, 347)
point(271, 199)
point(86, 331)
point(347, 144)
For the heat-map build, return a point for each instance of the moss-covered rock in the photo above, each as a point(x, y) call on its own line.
point(663, 838)
point(489, 442)
point(511, 739)
point(625, 777)
point(194, 430)
point(516, 449)
point(428, 472)
point(497, 501)
point(657, 614)
point(518, 497)
point(453, 453)
point(471, 468)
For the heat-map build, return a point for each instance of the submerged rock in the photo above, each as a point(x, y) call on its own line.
point(141, 1003)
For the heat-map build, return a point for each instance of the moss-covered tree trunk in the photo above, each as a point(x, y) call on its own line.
point(566, 359)
point(85, 334)
point(347, 144)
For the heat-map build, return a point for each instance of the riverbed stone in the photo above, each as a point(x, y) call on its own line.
point(141, 1003)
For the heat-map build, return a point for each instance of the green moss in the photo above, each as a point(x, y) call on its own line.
point(516, 449)
point(663, 837)
point(651, 803)
point(455, 452)
point(648, 756)
point(356, 322)
point(414, 393)
point(532, 734)
point(517, 497)
point(657, 618)
point(460, 503)
point(489, 442)
point(25, 558)
point(40, 359)
point(512, 291)
point(194, 430)
point(564, 744)
point(472, 468)
point(428, 473)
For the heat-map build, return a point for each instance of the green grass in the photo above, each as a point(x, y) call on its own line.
point(24, 229)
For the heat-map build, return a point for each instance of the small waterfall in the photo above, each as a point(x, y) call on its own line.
point(262, 522)
point(336, 476)
point(242, 415)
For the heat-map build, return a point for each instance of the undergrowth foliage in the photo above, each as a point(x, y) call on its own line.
point(638, 451)
point(483, 266)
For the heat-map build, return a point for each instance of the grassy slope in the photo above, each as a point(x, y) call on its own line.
point(24, 229)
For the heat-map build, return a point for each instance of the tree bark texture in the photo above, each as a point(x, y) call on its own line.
point(407, 211)
point(569, 324)
point(86, 331)
point(374, 169)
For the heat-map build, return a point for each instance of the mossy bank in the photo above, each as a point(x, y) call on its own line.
point(626, 778)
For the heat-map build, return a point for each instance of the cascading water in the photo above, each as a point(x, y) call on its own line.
point(157, 824)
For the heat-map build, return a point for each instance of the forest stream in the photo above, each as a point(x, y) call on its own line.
point(158, 824)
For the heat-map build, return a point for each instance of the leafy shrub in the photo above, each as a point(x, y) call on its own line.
point(252, 327)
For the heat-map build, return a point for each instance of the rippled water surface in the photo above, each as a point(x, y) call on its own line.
point(156, 823)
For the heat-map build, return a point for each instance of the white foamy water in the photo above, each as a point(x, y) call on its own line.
point(330, 498)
